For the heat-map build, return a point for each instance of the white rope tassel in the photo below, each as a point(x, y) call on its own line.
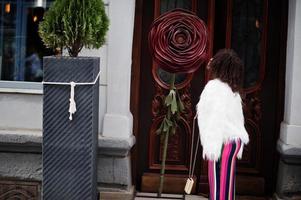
point(72, 105)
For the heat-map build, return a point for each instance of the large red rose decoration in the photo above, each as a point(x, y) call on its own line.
point(178, 41)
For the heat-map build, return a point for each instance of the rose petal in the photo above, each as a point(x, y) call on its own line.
point(178, 41)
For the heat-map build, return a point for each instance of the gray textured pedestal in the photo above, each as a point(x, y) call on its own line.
point(70, 147)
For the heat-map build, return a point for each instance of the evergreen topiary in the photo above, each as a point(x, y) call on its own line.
point(73, 24)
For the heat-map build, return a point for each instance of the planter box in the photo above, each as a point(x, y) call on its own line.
point(70, 147)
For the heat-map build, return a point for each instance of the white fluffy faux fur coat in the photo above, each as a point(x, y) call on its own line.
point(220, 119)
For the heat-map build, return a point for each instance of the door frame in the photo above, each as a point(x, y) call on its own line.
point(279, 72)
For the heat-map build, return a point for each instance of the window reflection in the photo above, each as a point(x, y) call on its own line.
point(165, 77)
point(246, 36)
point(21, 48)
point(167, 5)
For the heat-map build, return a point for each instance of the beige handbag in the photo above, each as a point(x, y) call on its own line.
point(190, 181)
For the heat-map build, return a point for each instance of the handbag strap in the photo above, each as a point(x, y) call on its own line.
point(192, 163)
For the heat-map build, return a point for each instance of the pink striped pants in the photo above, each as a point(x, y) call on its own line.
point(221, 173)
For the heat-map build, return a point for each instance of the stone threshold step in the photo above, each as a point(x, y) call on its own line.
point(153, 196)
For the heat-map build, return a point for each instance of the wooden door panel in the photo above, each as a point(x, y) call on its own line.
point(239, 21)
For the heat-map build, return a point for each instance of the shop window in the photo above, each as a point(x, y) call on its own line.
point(21, 48)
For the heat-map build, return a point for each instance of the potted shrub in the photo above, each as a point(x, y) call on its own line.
point(74, 24)
point(70, 139)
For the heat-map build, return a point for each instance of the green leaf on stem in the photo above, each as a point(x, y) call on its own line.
point(165, 126)
point(169, 98)
point(169, 122)
point(173, 130)
point(174, 106)
point(180, 104)
point(159, 130)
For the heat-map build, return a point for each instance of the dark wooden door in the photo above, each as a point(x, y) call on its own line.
point(256, 30)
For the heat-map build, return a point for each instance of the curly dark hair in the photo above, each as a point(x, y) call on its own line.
point(228, 67)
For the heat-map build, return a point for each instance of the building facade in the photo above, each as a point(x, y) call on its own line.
point(267, 36)
point(21, 101)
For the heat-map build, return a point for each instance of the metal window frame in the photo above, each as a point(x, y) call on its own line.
point(21, 87)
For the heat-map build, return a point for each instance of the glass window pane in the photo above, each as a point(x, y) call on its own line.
point(167, 5)
point(246, 36)
point(21, 48)
point(165, 77)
